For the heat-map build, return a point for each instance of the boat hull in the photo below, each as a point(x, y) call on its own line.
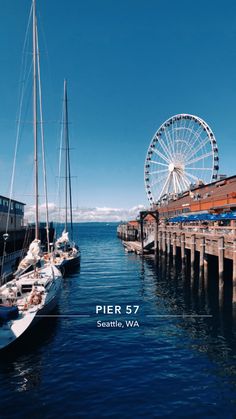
point(69, 265)
point(10, 336)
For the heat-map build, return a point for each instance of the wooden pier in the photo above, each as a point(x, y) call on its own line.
point(195, 231)
point(191, 246)
point(220, 243)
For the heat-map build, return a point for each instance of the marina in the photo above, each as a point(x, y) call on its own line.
point(117, 267)
point(35, 288)
point(73, 365)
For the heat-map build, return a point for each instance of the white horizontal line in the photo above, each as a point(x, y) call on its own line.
point(179, 315)
point(63, 315)
point(101, 286)
point(147, 315)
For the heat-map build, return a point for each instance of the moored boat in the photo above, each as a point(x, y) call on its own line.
point(36, 288)
point(24, 300)
point(66, 255)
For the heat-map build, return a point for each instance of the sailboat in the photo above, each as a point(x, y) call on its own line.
point(35, 289)
point(66, 254)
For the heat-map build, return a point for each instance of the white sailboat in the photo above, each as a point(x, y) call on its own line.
point(66, 255)
point(30, 295)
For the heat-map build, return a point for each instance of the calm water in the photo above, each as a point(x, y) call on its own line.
point(167, 367)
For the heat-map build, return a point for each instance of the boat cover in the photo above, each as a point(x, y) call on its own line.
point(64, 239)
point(32, 258)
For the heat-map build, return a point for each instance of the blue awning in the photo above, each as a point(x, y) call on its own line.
point(179, 219)
point(227, 216)
point(204, 217)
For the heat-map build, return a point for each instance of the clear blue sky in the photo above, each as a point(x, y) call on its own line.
point(130, 65)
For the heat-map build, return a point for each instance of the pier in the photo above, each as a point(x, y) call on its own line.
point(192, 247)
point(199, 242)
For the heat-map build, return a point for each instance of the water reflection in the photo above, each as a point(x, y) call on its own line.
point(16, 364)
point(167, 367)
point(182, 294)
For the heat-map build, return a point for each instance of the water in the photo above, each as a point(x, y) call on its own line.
point(167, 367)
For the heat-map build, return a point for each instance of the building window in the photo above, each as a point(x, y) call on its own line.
point(12, 219)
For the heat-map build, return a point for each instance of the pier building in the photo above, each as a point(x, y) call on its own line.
point(15, 214)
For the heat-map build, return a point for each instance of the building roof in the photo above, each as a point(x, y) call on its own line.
point(13, 200)
point(133, 223)
point(221, 194)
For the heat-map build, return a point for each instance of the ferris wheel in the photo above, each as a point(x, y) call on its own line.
point(182, 152)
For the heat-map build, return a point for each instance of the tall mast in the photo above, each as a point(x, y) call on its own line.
point(67, 161)
point(43, 144)
point(65, 149)
point(35, 121)
point(69, 173)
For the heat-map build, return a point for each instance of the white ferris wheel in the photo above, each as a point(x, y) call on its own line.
point(182, 152)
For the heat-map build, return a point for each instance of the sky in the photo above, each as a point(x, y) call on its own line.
point(130, 65)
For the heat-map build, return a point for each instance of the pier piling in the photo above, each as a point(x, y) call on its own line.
point(234, 271)
point(221, 268)
point(201, 258)
point(168, 243)
point(174, 244)
point(183, 249)
point(192, 255)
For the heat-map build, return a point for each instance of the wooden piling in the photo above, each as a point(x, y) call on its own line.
point(201, 265)
point(201, 256)
point(221, 268)
point(192, 255)
point(164, 241)
point(183, 249)
point(160, 241)
point(141, 233)
point(174, 244)
point(156, 238)
point(168, 243)
point(234, 271)
point(205, 269)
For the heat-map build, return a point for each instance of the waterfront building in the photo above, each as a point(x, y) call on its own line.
point(15, 214)
point(216, 197)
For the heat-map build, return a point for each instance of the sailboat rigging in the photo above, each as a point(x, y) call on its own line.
point(31, 294)
point(66, 254)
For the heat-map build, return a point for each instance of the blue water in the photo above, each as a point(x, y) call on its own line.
point(167, 367)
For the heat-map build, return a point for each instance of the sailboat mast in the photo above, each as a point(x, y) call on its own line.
point(67, 155)
point(69, 173)
point(65, 149)
point(35, 121)
point(43, 144)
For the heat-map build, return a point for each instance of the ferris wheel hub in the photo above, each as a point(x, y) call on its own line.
point(171, 167)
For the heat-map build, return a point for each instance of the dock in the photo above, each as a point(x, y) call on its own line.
point(193, 240)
